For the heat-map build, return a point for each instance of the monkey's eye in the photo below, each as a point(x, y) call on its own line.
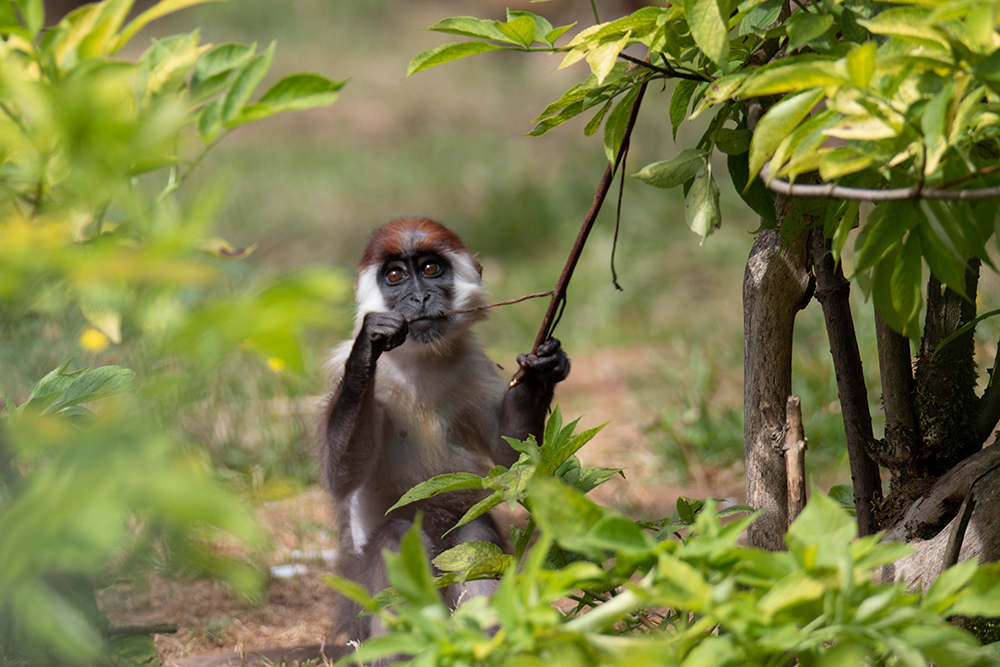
point(431, 269)
point(394, 275)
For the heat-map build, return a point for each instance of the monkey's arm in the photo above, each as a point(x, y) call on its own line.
point(525, 405)
point(346, 458)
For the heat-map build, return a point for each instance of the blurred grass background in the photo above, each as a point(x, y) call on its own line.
point(448, 144)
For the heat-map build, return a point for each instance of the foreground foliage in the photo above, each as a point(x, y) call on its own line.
point(597, 588)
point(94, 482)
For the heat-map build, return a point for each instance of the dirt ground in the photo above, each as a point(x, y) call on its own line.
point(297, 608)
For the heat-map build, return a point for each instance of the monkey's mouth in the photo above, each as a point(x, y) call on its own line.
point(428, 330)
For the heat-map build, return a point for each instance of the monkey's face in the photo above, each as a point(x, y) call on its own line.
point(419, 285)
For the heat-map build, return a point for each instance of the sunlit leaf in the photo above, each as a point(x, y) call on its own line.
point(246, 81)
point(804, 26)
point(159, 10)
point(775, 125)
point(447, 53)
point(709, 30)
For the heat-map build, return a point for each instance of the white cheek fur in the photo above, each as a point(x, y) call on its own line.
point(368, 297)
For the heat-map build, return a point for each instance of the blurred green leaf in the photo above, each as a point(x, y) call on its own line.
point(216, 68)
point(246, 81)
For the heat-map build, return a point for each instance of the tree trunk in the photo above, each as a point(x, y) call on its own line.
point(776, 286)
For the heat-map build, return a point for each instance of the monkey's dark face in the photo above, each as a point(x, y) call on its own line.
point(419, 285)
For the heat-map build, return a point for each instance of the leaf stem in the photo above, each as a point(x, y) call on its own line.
point(593, 6)
point(667, 71)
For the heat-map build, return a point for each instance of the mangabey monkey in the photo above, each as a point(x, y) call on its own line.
point(416, 398)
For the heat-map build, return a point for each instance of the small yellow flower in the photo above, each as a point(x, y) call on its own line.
point(275, 364)
point(93, 340)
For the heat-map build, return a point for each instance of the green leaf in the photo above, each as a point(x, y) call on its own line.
point(720, 90)
point(437, 485)
point(803, 27)
point(602, 58)
point(474, 559)
point(246, 81)
point(210, 121)
point(758, 19)
point(468, 26)
point(447, 53)
point(802, 74)
point(843, 495)
point(214, 70)
point(520, 30)
point(861, 64)
point(821, 533)
point(614, 129)
point(594, 123)
point(477, 510)
point(843, 161)
point(709, 30)
point(107, 23)
point(908, 23)
point(679, 102)
point(701, 206)
point(671, 173)
point(795, 588)
point(756, 195)
point(33, 14)
point(59, 390)
point(556, 453)
point(555, 34)
point(944, 244)
point(295, 92)
point(905, 286)
point(410, 570)
point(158, 10)
point(542, 26)
point(733, 141)
point(897, 218)
point(944, 592)
point(776, 124)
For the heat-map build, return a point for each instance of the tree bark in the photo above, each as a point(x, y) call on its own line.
point(946, 400)
point(775, 286)
point(902, 432)
point(833, 292)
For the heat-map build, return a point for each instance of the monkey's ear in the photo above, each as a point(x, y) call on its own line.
point(475, 263)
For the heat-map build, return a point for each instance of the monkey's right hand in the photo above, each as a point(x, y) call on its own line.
point(384, 331)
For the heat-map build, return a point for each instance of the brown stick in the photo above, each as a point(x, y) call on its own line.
point(559, 292)
point(795, 457)
point(519, 299)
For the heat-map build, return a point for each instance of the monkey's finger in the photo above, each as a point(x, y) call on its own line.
point(548, 347)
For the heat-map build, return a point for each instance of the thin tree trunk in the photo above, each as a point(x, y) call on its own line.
point(833, 292)
point(775, 286)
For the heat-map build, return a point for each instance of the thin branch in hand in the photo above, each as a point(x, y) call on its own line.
point(559, 293)
point(519, 299)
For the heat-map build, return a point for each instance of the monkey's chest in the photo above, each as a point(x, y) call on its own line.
point(427, 441)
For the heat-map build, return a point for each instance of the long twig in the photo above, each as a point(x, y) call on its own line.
point(867, 194)
point(559, 292)
point(519, 299)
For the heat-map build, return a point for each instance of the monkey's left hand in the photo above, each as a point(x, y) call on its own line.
point(549, 363)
